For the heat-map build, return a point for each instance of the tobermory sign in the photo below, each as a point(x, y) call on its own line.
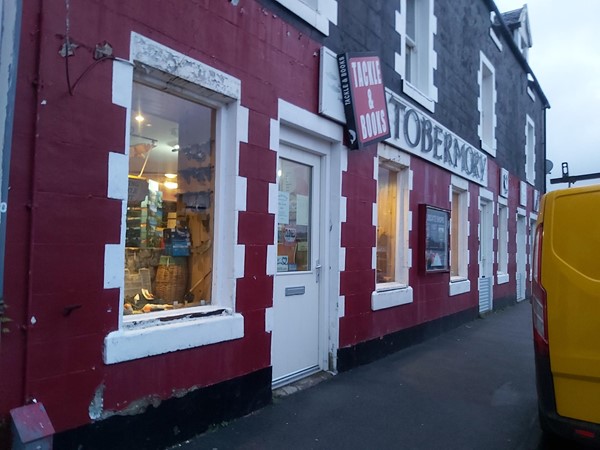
point(363, 95)
point(417, 133)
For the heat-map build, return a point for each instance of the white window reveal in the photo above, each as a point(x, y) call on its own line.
point(417, 60)
point(459, 236)
point(318, 13)
point(530, 150)
point(502, 255)
point(178, 248)
point(392, 254)
point(487, 105)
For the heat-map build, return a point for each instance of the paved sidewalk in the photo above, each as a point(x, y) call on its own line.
point(472, 388)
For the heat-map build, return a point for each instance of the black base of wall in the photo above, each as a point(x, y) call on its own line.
point(504, 302)
point(175, 419)
point(369, 351)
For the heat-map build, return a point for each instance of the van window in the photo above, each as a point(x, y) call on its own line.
point(577, 232)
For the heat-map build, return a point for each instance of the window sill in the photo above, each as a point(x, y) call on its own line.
point(502, 277)
point(389, 295)
point(459, 285)
point(418, 96)
point(140, 339)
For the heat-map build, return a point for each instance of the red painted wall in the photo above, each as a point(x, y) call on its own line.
point(60, 218)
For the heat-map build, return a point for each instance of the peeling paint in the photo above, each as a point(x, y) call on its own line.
point(97, 412)
point(95, 409)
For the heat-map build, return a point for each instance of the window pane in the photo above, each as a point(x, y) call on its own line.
point(386, 225)
point(411, 20)
point(170, 206)
point(294, 216)
point(454, 250)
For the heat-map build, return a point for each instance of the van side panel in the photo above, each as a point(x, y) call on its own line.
point(571, 277)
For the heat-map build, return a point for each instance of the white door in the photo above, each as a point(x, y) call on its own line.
point(295, 345)
point(486, 256)
point(521, 275)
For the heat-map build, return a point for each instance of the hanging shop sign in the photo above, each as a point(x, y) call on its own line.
point(415, 132)
point(363, 95)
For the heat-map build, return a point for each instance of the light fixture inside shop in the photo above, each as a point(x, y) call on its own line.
point(170, 185)
point(139, 118)
point(170, 175)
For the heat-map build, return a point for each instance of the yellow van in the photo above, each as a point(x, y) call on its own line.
point(566, 312)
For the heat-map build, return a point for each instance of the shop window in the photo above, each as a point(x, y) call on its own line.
point(178, 261)
point(417, 60)
point(392, 259)
point(171, 203)
point(502, 244)
point(530, 150)
point(459, 227)
point(487, 106)
point(318, 13)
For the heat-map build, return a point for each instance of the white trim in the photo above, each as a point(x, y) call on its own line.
point(269, 316)
point(326, 12)
point(533, 216)
point(424, 91)
point(495, 38)
point(502, 201)
point(530, 156)
point(460, 286)
point(390, 298)
point(312, 133)
point(488, 146)
point(502, 277)
point(521, 212)
point(459, 184)
point(129, 344)
point(530, 93)
point(341, 306)
point(523, 194)
point(486, 194)
point(418, 96)
point(144, 335)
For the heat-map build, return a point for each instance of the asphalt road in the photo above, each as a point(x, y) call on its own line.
point(472, 388)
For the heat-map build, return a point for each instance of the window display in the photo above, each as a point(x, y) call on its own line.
point(170, 206)
point(387, 202)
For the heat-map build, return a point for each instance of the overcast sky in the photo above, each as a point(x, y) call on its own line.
point(565, 58)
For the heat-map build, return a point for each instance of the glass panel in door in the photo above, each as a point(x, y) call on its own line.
point(294, 217)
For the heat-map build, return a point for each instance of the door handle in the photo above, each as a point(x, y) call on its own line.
point(318, 270)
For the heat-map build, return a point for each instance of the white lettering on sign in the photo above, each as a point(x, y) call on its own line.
point(366, 73)
point(373, 124)
point(417, 133)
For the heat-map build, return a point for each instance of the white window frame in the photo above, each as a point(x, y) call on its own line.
point(145, 335)
point(530, 150)
point(460, 284)
point(486, 103)
point(398, 292)
point(493, 34)
point(502, 275)
point(326, 12)
point(423, 90)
